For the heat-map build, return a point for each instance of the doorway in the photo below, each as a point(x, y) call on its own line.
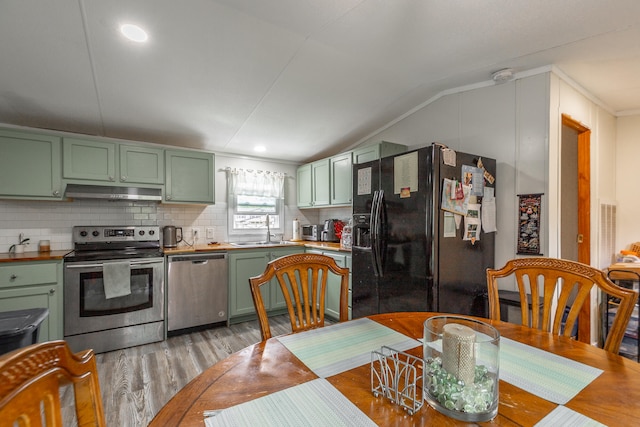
point(575, 195)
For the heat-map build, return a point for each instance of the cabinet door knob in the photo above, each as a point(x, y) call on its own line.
point(13, 277)
point(52, 291)
point(111, 178)
point(168, 197)
point(56, 193)
point(123, 178)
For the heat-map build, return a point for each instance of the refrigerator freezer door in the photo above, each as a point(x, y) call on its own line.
point(364, 286)
point(406, 283)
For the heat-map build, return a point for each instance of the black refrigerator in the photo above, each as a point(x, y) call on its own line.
point(401, 259)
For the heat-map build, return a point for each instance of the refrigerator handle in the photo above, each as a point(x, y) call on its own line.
point(379, 238)
point(373, 233)
point(382, 237)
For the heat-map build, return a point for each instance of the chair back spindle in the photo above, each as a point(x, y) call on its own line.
point(30, 381)
point(545, 279)
point(303, 279)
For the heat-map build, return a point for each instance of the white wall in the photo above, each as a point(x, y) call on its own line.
point(567, 98)
point(519, 124)
point(627, 181)
point(507, 122)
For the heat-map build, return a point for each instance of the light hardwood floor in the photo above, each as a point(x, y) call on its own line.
point(136, 382)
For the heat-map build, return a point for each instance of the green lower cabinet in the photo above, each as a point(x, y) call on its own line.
point(38, 284)
point(332, 302)
point(244, 264)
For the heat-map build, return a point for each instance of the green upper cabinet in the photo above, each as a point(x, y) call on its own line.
point(377, 151)
point(341, 179)
point(111, 162)
point(313, 184)
point(141, 165)
point(325, 182)
point(89, 160)
point(189, 177)
point(30, 165)
point(321, 180)
point(303, 177)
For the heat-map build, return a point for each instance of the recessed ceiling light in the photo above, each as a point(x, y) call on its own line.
point(134, 33)
point(260, 148)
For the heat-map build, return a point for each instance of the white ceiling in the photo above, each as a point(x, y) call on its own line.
point(306, 78)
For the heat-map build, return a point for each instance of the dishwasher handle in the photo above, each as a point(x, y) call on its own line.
point(198, 258)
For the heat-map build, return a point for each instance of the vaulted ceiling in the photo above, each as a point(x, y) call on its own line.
point(304, 78)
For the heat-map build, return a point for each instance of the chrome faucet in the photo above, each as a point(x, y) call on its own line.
point(268, 230)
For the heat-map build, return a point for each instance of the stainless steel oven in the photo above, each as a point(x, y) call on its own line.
point(129, 258)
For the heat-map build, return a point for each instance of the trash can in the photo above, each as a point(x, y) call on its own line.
point(20, 328)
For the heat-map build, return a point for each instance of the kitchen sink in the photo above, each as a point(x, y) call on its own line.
point(251, 244)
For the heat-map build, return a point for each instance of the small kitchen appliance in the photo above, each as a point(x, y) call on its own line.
point(329, 231)
point(171, 236)
point(312, 232)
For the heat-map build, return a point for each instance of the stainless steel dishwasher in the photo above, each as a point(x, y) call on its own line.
point(197, 289)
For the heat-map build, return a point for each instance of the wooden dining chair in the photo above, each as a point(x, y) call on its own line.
point(30, 381)
point(576, 281)
point(303, 281)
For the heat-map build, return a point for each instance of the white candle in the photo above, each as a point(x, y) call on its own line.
point(458, 351)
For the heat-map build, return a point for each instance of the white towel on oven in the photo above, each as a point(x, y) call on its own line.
point(116, 277)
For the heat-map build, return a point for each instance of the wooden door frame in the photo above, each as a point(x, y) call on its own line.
point(584, 213)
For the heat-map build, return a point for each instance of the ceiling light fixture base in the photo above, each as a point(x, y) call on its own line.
point(502, 76)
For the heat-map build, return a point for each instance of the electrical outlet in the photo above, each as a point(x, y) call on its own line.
point(211, 231)
point(196, 233)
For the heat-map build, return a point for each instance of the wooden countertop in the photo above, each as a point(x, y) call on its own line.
point(33, 256)
point(58, 255)
point(230, 247)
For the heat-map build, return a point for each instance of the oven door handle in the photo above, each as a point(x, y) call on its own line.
point(132, 263)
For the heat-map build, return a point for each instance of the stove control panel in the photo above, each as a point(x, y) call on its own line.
point(109, 233)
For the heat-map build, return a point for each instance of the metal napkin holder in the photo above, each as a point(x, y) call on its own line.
point(398, 377)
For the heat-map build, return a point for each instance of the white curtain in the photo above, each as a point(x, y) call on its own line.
point(249, 182)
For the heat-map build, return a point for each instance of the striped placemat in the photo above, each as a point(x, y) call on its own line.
point(337, 348)
point(565, 417)
point(314, 403)
point(547, 375)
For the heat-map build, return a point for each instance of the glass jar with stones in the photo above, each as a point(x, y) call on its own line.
point(462, 357)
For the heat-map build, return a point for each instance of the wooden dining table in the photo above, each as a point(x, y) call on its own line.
point(612, 398)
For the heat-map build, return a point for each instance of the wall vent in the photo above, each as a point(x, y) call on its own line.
point(607, 244)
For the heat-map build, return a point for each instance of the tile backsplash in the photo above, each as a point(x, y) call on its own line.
point(45, 220)
point(54, 220)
